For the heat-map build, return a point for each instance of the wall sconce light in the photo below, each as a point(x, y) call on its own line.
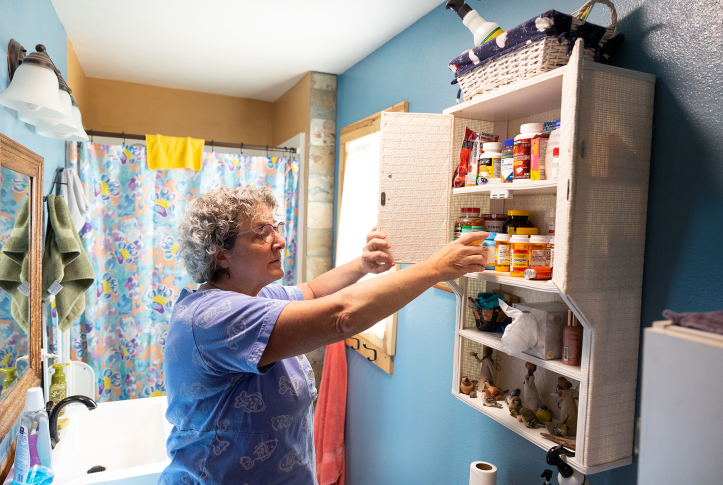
point(32, 93)
point(34, 84)
point(78, 135)
point(60, 125)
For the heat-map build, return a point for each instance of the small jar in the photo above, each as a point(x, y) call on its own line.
point(551, 249)
point(489, 243)
point(502, 252)
point(519, 255)
point(469, 218)
point(538, 251)
point(517, 219)
point(494, 222)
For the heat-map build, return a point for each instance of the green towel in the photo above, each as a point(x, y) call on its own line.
point(15, 267)
point(65, 262)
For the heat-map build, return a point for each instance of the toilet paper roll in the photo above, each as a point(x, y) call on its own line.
point(482, 473)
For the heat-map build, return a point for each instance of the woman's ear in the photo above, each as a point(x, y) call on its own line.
point(221, 259)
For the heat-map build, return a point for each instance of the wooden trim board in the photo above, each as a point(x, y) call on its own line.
point(384, 361)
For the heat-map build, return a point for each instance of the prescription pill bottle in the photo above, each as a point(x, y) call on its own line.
point(502, 252)
point(551, 249)
point(538, 251)
point(489, 243)
point(519, 255)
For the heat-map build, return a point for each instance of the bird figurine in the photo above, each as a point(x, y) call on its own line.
point(557, 429)
point(489, 399)
point(512, 394)
point(467, 386)
point(515, 405)
point(544, 414)
point(496, 392)
point(528, 417)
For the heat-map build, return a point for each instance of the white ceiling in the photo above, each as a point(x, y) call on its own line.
point(251, 49)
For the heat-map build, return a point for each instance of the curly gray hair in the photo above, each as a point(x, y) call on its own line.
point(210, 223)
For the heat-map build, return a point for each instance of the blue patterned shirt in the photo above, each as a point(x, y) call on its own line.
point(234, 422)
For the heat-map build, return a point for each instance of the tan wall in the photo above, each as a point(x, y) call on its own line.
point(140, 108)
point(78, 82)
point(291, 111)
point(119, 106)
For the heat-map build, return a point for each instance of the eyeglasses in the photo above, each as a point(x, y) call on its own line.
point(266, 232)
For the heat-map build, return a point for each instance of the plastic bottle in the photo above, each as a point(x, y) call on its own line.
point(33, 458)
point(552, 143)
point(517, 218)
point(468, 220)
point(538, 251)
point(507, 163)
point(480, 28)
point(572, 343)
point(555, 163)
point(551, 245)
point(522, 150)
point(57, 386)
point(489, 166)
point(519, 255)
point(489, 243)
point(502, 252)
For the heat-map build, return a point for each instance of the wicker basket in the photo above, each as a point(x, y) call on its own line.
point(502, 66)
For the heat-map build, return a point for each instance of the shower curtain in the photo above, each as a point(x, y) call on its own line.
point(131, 237)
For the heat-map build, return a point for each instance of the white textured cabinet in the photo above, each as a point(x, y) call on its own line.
point(600, 201)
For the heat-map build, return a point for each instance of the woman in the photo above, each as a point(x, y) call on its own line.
point(240, 390)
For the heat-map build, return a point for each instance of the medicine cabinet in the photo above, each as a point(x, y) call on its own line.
point(600, 209)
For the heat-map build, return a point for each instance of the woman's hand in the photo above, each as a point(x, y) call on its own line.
point(376, 257)
point(459, 258)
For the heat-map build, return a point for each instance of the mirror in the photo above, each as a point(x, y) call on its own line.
point(14, 277)
point(21, 246)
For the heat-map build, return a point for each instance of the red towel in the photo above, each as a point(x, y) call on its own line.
point(329, 417)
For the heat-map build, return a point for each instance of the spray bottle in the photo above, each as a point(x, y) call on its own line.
point(33, 458)
point(480, 28)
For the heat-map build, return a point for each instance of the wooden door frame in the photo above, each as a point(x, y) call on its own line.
point(380, 355)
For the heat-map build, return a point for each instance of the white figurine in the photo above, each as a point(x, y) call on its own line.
point(566, 396)
point(530, 396)
point(487, 370)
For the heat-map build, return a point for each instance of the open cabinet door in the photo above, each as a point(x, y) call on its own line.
point(415, 183)
point(569, 123)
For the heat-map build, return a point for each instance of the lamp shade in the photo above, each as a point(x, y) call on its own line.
point(59, 125)
point(78, 135)
point(34, 89)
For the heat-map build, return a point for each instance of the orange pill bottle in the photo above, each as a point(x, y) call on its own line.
point(519, 255)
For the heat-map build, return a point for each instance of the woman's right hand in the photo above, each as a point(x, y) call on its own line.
point(459, 257)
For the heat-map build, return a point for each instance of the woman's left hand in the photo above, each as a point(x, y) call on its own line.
point(377, 257)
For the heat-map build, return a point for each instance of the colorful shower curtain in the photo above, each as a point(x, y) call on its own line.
point(131, 237)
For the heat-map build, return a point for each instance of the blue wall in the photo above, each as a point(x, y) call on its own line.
point(32, 22)
point(407, 428)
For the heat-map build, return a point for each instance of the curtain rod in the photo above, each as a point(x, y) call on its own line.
point(211, 143)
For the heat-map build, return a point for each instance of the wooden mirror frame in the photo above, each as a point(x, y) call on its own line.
point(18, 158)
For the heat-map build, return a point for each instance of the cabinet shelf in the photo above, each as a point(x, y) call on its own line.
point(534, 187)
point(502, 416)
point(494, 340)
point(505, 279)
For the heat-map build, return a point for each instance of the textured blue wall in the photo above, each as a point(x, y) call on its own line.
point(407, 428)
point(32, 22)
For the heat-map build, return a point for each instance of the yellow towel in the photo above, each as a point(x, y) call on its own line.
point(172, 152)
